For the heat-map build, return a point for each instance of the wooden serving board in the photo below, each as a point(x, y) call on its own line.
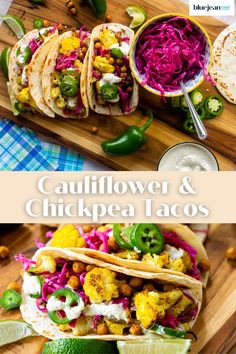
point(164, 132)
point(215, 327)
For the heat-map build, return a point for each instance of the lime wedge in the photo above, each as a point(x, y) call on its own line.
point(154, 346)
point(4, 60)
point(15, 24)
point(139, 15)
point(12, 330)
point(13, 100)
point(80, 346)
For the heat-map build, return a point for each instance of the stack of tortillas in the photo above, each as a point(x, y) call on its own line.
point(223, 69)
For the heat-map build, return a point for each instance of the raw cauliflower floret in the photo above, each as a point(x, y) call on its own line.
point(100, 285)
point(69, 44)
point(151, 305)
point(180, 306)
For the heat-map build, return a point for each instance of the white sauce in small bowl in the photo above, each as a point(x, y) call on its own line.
point(188, 157)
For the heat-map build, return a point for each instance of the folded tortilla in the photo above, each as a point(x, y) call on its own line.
point(223, 69)
point(46, 327)
point(108, 108)
point(183, 232)
point(49, 69)
point(33, 74)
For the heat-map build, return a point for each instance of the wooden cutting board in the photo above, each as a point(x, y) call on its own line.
point(215, 327)
point(165, 131)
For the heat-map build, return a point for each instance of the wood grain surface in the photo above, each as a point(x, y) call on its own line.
point(215, 327)
point(165, 131)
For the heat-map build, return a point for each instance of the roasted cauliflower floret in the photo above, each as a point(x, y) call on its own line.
point(180, 306)
point(24, 96)
point(160, 261)
point(44, 264)
point(69, 44)
point(128, 255)
point(103, 65)
point(116, 328)
point(151, 305)
point(66, 236)
point(107, 38)
point(100, 285)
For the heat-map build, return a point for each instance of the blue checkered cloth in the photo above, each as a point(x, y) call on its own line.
point(22, 150)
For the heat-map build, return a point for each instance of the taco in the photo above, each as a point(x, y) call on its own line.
point(223, 69)
point(112, 89)
point(166, 248)
point(64, 75)
point(68, 294)
point(26, 63)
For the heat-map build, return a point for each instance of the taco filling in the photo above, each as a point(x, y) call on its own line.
point(112, 81)
point(24, 53)
point(138, 242)
point(66, 77)
point(85, 299)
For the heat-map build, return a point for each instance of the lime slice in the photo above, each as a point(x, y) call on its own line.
point(15, 24)
point(4, 60)
point(154, 346)
point(13, 100)
point(139, 15)
point(81, 346)
point(12, 330)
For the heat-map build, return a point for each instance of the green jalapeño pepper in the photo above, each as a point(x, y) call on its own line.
point(23, 57)
point(147, 238)
point(189, 126)
point(71, 298)
point(37, 23)
point(214, 105)
point(38, 284)
point(117, 53)
point(129, 142)
point(197, 97)
point(122, 236)
point(10, 299)
point(168, 331)
point(69, 86)
point(99, 7)
point(109, 91)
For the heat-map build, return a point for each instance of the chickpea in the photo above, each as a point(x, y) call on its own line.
point(94, 130)
point(119, 61)
point(107, 56)
point(18, 72)
point(73, 11)
point(231, 253)
point(45, 23)
point(136, 282)
point(112, 243)
point(97, 39)
point(123, 76)
point(4, 252)
point(149, 287)
point(78, 267)
point(130, 89)
point(125, 289)
point(102, 329)
point(135, 329)
point(123, 69)
point(89, 267)
point(84, 50)
point(87, 228)
point(70, 4)
point(67, 275)
point(81, 242)
point(108, 18)
point(118, 35)
point(204, 265)
point(97, 45)
point(81, 56)
point(73, 282)
point(60, 27)
point(15, 286)
point(111, 61)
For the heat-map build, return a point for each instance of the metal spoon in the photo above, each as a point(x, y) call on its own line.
point(200, 129)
